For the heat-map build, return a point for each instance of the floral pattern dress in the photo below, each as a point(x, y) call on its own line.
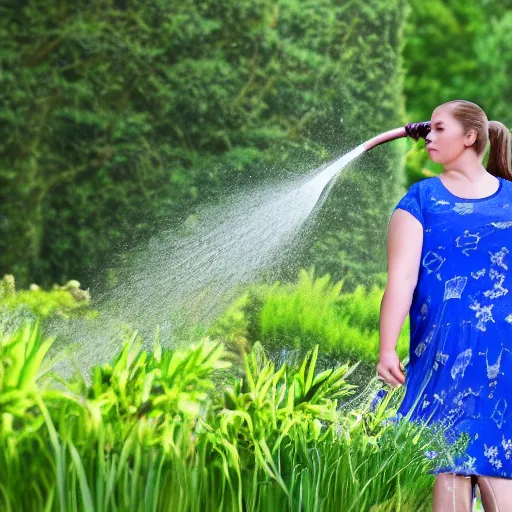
point(460, 356)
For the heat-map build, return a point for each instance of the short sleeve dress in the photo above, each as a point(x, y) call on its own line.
point(460, 356)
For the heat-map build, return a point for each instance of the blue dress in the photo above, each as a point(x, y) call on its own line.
point(460, 356)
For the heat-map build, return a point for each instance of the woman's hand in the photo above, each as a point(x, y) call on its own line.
point(390, 369)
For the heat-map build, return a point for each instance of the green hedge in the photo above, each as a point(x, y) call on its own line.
point(110, 109)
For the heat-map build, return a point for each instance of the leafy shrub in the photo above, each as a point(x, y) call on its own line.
point(157, 432)
point(17, 306)
point(311, 311)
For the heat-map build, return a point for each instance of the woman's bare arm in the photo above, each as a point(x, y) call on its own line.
point(404, 245)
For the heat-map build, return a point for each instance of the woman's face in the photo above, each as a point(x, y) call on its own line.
point(446, 141)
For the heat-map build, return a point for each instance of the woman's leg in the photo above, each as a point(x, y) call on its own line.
point(496, 493)
point(452, 493)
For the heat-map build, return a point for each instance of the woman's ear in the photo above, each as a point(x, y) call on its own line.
point(470, 138)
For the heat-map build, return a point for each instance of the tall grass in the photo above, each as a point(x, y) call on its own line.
point(186, 430)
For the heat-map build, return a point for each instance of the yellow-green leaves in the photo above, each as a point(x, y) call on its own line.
point(170, 430)
point(267, 407)
point(21, 355)
point(157, 385)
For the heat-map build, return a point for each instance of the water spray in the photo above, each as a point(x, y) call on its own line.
point(330, 173)
point(179, 280)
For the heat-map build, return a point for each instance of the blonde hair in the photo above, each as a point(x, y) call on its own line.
point(472, 117)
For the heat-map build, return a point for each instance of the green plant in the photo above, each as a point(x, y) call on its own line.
point(312, 311)
point(172, 430)
point(61, 302)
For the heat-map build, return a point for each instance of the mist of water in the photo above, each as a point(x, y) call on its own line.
point(190, 278)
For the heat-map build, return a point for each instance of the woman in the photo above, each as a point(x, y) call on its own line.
point(450, 267)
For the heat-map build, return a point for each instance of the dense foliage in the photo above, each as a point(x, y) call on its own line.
point(458, 50)
point(179, 430)
point(117, 115)
point(313, 311)
point(61, 302)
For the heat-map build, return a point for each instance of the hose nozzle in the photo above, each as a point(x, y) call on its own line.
point(417, 130)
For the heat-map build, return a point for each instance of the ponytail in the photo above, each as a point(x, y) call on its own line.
point(499, 162)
